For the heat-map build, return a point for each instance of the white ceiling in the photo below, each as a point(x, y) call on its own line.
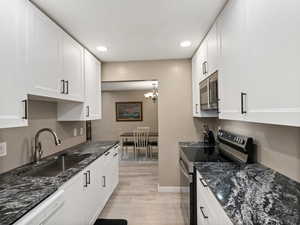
point(135, 29)
point(128, 85)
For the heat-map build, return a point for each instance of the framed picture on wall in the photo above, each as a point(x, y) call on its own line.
point(129, 111)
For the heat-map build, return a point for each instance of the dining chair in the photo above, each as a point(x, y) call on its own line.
point(141, 140)
point(126, 143)
point(153, 144)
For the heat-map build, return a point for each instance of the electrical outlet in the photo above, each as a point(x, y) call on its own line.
point(75, 132)
point(3, 151)
point(81, 131)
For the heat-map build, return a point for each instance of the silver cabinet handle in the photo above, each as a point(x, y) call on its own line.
point(86, 179)
point(87, 111)
point(63, 87)
point(203, 182)
point(203, 68)
point(25, 117)
point(104, 181)
point(107, 153)
point(203, 214)
point(67, 88)
point(89, 177)
point(115, 154)
point(243, 95)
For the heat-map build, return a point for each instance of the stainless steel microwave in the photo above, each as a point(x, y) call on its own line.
point(209, 97)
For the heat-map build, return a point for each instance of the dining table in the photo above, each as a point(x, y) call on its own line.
point(130, 135)
point(126, 137)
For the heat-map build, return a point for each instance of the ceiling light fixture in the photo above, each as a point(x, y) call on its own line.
point(154, 94)
point(102, 49)
point(185, 44)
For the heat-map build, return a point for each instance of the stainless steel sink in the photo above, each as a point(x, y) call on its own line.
point(94, 149)
point(57, 166)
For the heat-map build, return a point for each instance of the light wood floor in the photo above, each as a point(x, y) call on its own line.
point(137, 200)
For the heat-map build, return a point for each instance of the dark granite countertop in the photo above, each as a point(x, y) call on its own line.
point(19, 193)
point(253, 194)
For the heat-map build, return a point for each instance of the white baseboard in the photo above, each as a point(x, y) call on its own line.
point(171, 189)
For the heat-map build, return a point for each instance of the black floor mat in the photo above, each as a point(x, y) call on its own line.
point(110, 222)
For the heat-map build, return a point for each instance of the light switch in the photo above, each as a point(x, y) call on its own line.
point(3, 151)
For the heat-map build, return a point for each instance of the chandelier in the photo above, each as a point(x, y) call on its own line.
point(154, 94)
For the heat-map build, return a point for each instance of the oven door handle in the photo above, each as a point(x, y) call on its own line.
point(185, 172)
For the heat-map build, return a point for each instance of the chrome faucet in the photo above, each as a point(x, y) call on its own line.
point(38, 152)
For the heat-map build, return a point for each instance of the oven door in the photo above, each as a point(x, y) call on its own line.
point(185, 200)
point(213, 91)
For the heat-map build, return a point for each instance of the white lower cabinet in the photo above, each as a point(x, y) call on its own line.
point(87, 192)
point(209, 210)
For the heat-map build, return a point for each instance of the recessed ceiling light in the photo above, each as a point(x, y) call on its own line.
point(102, 49)
point(185, 44)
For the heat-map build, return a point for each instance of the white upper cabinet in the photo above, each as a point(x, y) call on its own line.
point(44, 55)
point(91, 108)
point(258, 67)
point(232, 62)
point(92, 71)
point(196, 73)
point(55, 60)
point(212, 50)
point(199, 63)
point(273, 73)
point(12, 63)
point(72, 68)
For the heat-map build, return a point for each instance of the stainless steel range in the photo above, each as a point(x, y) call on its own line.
point(230, 147)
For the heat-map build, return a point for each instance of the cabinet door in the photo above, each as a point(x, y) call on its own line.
point(72, 70)
point(196, 73)
point(44, 55)
point(93, 194)
point(93, 86)
point(232, 66)
point(13, 85)
point(212, 50)
point(272, 77)
point(75, 202)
